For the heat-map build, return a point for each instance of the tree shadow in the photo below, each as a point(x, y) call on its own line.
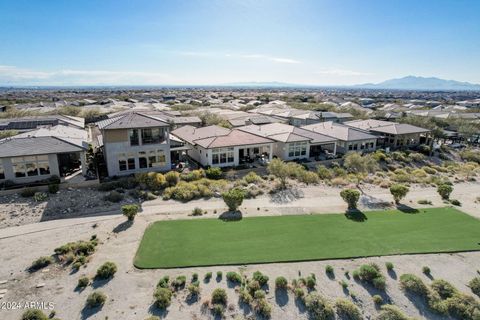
point(228, 216)
point(97, 283)
point(355, 215)
point(155, 311)
point(407, 209)
point(421, 304)
point(374, 291)
point(245, 307)
point(87, 311)
point(281, 297)
point(300, 304)
point(330, 275)
point(123, 226)
point(192, 298)
point(392, 274)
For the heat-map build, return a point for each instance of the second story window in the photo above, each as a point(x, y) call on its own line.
point(133, 135)
point(153, 135)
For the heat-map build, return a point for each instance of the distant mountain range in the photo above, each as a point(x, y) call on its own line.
point(422, 83)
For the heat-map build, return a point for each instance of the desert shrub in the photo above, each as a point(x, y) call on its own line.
point(214, 173)
point(34, 314)
point(339, 182)
point(197, 211)
point(377, 299)
point(219, 296)
point(425, 202)
point(179, 282)
point(252, 177)
point(163, 282)
point(219, 274)
point(245, 296)
point(281, 283)
point(324, 173)
point(311, 281)
point(253, 286)
point(356, 274)
point(379, 282)
point(343, 283)
point(78, 248)
point(371, 273)
point(259, 294)
point(41, 262)
point(260, 277)
point(172, 178)
point(299, 293)
point(443, 288)
point(153, 318)
point(462, 306)
point(130, 211)
point(28, 192)
point(194, 289)
point(263, 308)
point(113, 196)
point(193, 175)
point(355, 162)
point(233, 198)
point(416, 157)
point(470, 155)
point(390, 312)
point(398, 191)
point(350, 196)
point(218, 309)
point(40, 196)
point(426, 270)
point(308, 177)
point(208, 276)
point(318, 307)
point(399, 156)
point(280, 170)
point(163, 297)
point(348, 310)
point(389, 266)
point(329, 269)
point(234, 277)
point(53, 188)
point(106, 270)
point(413, 284)
point(455, 202)
point(444, 190)
point(96, 299)
point(83, 282)
point(429, 170)
point(183, 191)
point(474, 285)
point(339, 172)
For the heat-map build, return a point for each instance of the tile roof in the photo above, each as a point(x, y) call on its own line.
point(286, 133)
point(130, 120)
point(385, 126)
point(29, 146)
point(339, 131)
point(217, 137)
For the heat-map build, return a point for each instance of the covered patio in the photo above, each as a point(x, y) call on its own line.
point(252, 153)
point(323, 151)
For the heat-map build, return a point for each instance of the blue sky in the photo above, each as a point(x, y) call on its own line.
point(322, 42)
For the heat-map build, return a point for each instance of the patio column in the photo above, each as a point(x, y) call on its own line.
point(335, 148)
point(270, 153)
point(83, 162)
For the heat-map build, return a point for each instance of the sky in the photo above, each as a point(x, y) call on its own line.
point(200, 42)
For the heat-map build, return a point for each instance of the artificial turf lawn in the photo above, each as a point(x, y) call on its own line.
point(202, 242)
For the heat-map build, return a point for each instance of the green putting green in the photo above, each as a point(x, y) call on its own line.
point(204, 242)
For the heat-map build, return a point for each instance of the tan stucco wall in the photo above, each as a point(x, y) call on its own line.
point(119, 135)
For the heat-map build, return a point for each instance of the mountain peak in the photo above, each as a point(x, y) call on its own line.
point(412, 82)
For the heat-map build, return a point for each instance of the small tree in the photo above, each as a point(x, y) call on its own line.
point(444, 190)
point(34, 314)
point(280, 170)
point(350, 196)
point(398, 191)
point(130, 211)
point(233, 198)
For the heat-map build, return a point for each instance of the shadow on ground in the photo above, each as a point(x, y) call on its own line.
point(356, 215)
point(231, 216)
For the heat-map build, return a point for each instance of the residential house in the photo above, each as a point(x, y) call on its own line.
point(221, 147)
point(134, 142)
point(392, 134)
point(24, 124)
point(349, 138)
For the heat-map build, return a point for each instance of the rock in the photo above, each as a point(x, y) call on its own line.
point(40, 285)
point(3, 291)
point(3, 281)
point(1, 296)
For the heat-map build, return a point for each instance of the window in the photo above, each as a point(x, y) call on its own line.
point(133, 135)
point(2, 172)
point(297, 149)
point(30, 166)
point(222, 155)
point(142, 160)
point(131, 161)
point(156, 158)
point(153, 135)
point(126, 161)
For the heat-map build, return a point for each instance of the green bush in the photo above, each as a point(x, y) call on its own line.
point(462, 306)
point(344, 284)
point(40, 196)
point(263, 308)
point(214, 173)
point(245, 296)
point(233, 198)
point(389, 266)
point(311, 281)
point(34, 314)
point(252, 177)
point(259, 294)
point(218, 310)
point(96, 299)
point(260, 277)
point(219, 296)
point(172, 178)
point(426, 270)
point(194, 289)
point(193, 175)
point(163, 282)
point(28, 192)
point(234, 277)
point(443, 288)
point(377, 299)
point(318, 307)
point(281, 283)
point(53, 188)
point(163, 297)
point(444, 190)
point(390, 312)
point(113, 196)
point(41, 262)
point(106, 270)
point(153, 318)
point(329, 269)
point(130, 211)
point(424, 202)
point(324, 173)
point(371, 273)
point(299, 293)
point(348, 310)
point(219, 274)
point(208, 276)
point(398, 191)
point(83, 282)
point(197, 211)
point(413, 284)
point(455, 202)
point(379, 282)
point(350, 196)
point(179, 282)
point(253, 286)
point(474, 285)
